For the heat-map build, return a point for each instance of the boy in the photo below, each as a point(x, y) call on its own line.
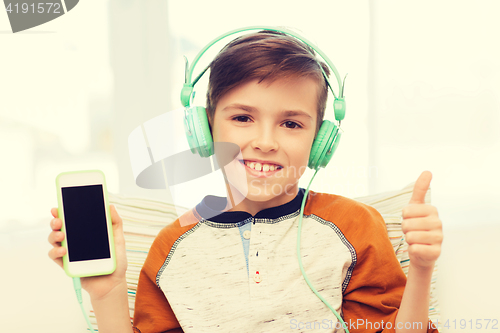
point(234, 268)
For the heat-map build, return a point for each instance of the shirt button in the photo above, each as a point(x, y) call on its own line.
point(257, 278)
point(246, 234)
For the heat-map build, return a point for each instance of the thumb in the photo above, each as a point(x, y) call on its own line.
point(420, 189)
point(115, 218)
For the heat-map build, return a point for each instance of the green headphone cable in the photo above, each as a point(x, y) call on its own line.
point(78, 289)
point(300, 258)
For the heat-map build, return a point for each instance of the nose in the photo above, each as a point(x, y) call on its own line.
point(265, 140)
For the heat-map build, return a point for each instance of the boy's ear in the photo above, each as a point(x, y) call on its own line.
point(209, 121)
point(208, 118)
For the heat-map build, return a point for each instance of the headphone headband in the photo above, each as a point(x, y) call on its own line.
point(187, 90)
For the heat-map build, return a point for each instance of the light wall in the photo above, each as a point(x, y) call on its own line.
point(422, 93)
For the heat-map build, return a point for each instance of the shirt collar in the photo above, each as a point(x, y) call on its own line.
point(210, 208)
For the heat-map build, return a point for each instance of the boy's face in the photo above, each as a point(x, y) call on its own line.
point(274, 125)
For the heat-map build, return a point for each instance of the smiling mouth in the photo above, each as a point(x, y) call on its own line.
point(262, 167)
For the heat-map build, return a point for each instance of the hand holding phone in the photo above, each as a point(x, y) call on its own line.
point(94, 266)
point(84, 211)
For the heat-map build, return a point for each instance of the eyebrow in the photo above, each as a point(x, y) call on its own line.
point(288, 113)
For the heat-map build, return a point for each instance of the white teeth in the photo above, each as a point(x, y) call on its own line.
point(262, 167)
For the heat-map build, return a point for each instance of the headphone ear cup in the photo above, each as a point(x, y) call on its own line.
point(198, 131)
point(324, 145)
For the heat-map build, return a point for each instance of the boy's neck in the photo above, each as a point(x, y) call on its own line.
point(252, 207)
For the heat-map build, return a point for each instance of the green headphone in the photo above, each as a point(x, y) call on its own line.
point(196, 122)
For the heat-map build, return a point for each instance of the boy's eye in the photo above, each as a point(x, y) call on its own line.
point(288, 124)
point(241, 119)
point(291, 124)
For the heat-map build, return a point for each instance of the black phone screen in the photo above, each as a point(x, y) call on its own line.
point(85, 219)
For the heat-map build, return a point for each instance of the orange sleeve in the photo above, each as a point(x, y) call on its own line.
point(373, 295)
point(152, 311)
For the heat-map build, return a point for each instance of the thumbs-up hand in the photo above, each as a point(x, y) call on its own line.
point(422, 226)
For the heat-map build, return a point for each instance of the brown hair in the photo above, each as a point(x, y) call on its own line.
point(265, 55)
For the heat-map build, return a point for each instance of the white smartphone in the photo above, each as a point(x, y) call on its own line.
point(84, 210)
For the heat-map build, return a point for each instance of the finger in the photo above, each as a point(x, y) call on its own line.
point(421, 224)
point(418, 210)
point(55, 238)
point(420, 189)
point(55, 224)
point(56, 255)
point(117, 227)
point(54, 212)
point(115, 218)
point(424, 237)
point(429, 253)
